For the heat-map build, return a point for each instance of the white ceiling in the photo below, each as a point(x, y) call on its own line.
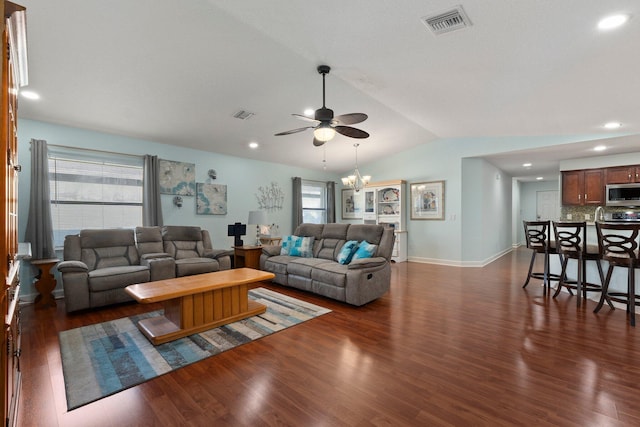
point(176, 71)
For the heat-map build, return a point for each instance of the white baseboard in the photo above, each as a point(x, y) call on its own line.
point(455, 263)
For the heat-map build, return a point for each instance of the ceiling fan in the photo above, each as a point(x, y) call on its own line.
point(326, 125)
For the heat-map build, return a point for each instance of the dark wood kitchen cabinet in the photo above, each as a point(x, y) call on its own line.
point(622, 174)
point(583, 187)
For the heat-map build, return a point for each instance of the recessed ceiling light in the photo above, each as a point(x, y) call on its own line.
point(253, 145)
point(29, 94)
point(309, 112)
point(613, 21)
point(600, 148)
point(540, 178)
point(612, 125)
point(526, 165)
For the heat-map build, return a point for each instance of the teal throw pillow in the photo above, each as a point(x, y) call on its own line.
point(301, 246)
point(286, 245)
point(347, 251)
point(365, 250)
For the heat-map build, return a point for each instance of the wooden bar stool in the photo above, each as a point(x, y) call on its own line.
point(538, 240)
point(618, 244)
point(571, 243)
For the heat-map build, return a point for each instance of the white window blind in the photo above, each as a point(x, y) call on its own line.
point(314, 202)
point(93, 189)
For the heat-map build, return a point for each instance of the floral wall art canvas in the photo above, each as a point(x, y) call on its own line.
point(177, 178)
point(211, 199)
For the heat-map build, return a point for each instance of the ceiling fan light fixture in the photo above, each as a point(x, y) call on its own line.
point(324, 132)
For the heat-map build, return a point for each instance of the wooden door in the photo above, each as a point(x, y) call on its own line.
point(13, 34)
point(547, 205)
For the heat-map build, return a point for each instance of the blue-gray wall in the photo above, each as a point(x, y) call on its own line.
point(243, 177)
point(479, 209)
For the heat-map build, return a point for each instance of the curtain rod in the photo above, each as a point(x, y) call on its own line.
point(313, 180)
point(93, 149)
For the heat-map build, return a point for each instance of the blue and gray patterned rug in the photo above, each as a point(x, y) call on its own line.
point(103, 359)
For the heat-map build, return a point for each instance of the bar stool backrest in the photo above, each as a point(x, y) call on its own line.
point(618, 243)
point(571, 237)
point(537, 235)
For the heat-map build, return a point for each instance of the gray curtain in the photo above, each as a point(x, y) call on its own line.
point(39, 224)
point(331, 201)
point(151, 202)
point(297, 202)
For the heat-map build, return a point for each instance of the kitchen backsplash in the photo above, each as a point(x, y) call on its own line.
point(586, 213)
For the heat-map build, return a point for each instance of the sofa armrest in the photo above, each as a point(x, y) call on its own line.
point(271, 250)
point(361, 263)
point(153, 255)
point(160, 268)
point(217, 253)
point(72, 267)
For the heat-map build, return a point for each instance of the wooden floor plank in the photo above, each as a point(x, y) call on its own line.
point(446, 346)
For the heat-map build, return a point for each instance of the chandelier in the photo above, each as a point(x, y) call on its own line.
point(356, 181)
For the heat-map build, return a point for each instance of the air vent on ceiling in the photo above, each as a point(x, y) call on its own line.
point(450, 20)
point(243, 115)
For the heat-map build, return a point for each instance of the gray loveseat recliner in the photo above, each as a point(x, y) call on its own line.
point(99, 264)
point(189, 248)
point(357, 283)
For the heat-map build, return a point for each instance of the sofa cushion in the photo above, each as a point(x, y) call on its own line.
point(311, 230)
point(183, 241)
point(304, 266)
point(347, 251)
point(108, 248)
point(114, 256)
point(368, 232)
point(108, 278)
point(191, 266)
point(149, 240)
point(335, 231)
point(331, 273)
point(278, 264)
point(365, 250)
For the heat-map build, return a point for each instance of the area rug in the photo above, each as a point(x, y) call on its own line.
point(103, 359)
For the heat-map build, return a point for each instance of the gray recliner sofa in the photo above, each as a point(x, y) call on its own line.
point(189, 247)
point(99, 264)
point(356, 283)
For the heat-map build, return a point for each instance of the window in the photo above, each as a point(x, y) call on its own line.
point(92, 189)
point(314, 202)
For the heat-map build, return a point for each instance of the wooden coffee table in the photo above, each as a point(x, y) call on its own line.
point(194, 304)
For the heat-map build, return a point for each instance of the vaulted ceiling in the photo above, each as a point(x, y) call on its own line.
point(175, 72)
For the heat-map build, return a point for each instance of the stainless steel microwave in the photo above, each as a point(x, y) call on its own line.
point(623, 194)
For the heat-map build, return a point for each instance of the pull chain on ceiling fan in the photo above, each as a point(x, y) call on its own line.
point(326, 125)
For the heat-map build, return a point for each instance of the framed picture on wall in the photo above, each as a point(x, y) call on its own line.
point(427, 200)
point(351, 204)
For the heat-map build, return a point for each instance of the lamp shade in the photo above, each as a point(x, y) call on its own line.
point(257, 217)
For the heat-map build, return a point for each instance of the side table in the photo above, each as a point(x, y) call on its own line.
point(46, 282)
point(247, 256)
point(266, 240)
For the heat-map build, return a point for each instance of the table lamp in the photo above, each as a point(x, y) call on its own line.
point(257, 218)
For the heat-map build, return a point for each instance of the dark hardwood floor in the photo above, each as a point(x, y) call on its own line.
point(446, 346)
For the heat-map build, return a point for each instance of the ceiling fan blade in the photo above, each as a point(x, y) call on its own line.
point(351, 132)
point(305, 118)
point(350, 119)
point(289, 132)
point(317, 142)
